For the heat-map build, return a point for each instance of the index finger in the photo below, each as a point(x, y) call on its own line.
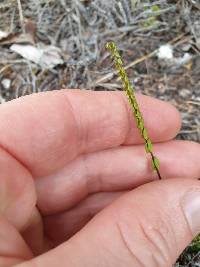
point(45, 131)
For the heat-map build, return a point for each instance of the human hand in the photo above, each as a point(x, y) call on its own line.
point(66, 156)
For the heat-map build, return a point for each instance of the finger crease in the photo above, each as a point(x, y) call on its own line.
point(127, 247)
point(76, 122)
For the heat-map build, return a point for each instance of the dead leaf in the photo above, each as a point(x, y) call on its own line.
point(18, 38)
point(29, 37)
point(31, 28)
point(3, 35)
point(47, 56)
point(189, 65)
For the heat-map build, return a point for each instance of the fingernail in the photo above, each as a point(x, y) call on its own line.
point(191, 208)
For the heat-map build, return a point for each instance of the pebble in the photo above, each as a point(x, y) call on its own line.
point(185, 93)
point(6, 83)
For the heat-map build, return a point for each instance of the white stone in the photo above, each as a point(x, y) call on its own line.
point(165, 52)
point(6, 83)
point(3, 34)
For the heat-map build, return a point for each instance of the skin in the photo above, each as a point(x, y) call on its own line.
point(76, 183)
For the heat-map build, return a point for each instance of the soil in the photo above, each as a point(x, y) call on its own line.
point(80, 30)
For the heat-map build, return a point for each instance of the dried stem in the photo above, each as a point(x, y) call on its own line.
point(21, 17)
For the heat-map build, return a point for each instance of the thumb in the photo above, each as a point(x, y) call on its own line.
point(149, 226)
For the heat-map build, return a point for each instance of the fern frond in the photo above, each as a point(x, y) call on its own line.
point(128, 88)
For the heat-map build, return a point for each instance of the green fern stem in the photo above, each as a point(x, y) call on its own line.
point(128, 88)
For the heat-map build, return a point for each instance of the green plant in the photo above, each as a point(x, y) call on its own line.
point(111, 46)
point(195, 245)
point(151, 19)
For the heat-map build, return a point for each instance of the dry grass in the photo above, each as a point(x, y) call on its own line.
point(80, 28)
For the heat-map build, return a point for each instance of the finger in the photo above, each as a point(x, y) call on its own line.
point(17, 204)
point(117, 169)
point(50, 129)
point(149, 226)
point(12, 247)
point(60, 227)
point(17, 191)
point(33, 234)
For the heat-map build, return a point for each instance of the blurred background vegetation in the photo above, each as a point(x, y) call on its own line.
point(53, 44)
